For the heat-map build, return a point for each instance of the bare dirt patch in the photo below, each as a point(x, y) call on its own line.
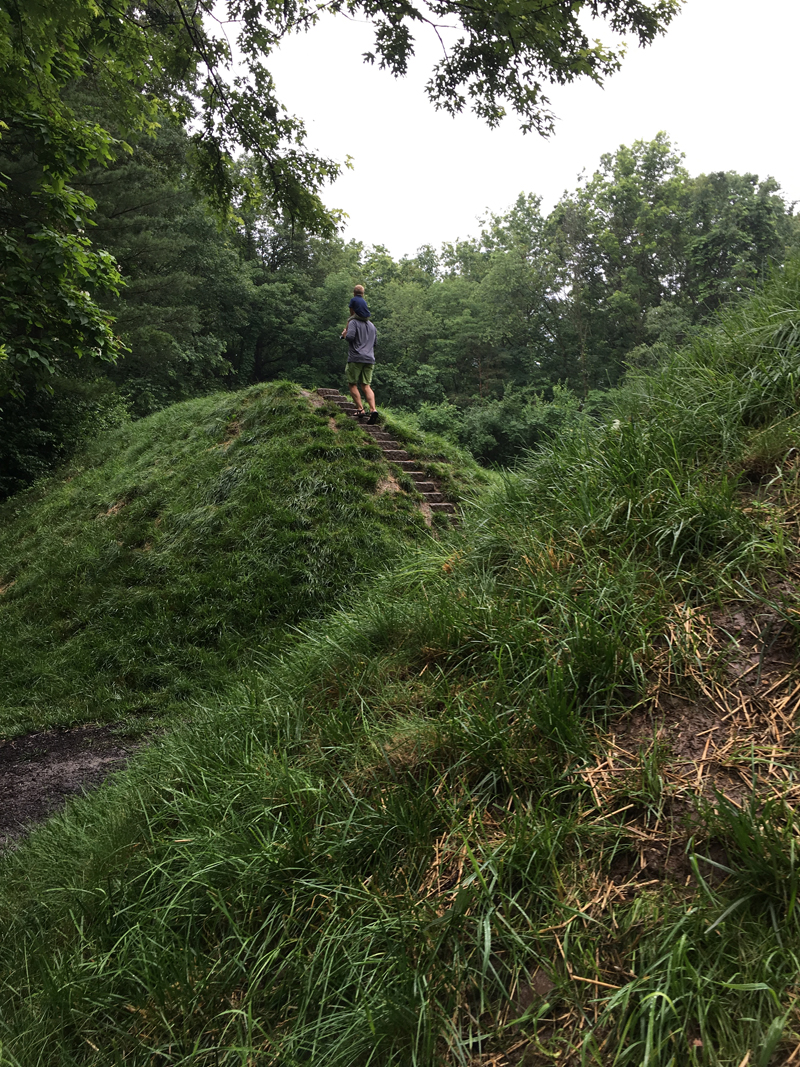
point(115, 509)
point(41, 771)
point(726, 727)
point(232, 431)
point(314, 399)
point(317, 401)
point(389, 484)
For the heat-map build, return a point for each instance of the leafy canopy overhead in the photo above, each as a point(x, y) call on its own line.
point(171, 55)
point(507, 49)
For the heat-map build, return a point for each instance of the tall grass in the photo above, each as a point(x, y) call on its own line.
point(155, 564)
point(378, 848)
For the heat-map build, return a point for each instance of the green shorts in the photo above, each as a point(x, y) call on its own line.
point(359, 373)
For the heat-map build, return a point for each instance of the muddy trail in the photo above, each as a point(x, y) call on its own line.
point(40, 772)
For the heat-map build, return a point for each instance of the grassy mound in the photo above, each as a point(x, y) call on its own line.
point(532, 803)
point(171, 550)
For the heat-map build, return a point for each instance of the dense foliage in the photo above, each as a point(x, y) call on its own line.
point(492, 340)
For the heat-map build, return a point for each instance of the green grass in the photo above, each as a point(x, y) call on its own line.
point(438, 457)
point(163, 557)
point(379, 847)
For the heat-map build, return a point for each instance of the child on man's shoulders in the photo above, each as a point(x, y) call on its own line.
point(358, 307)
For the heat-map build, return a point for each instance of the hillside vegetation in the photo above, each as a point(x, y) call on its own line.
point(531, 800)
point(176, 548)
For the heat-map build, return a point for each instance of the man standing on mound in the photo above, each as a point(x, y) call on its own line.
point(361, 334)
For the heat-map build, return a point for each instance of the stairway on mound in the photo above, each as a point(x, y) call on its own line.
point(428, 489)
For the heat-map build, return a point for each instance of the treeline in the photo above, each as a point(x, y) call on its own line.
point(492, 339)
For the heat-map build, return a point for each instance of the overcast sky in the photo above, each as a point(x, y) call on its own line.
point(722, 83)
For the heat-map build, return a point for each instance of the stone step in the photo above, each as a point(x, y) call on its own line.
point(394, 453)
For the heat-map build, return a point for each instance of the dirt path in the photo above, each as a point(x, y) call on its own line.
point(40, 772)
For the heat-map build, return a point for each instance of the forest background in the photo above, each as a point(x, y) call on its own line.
point(197, 280)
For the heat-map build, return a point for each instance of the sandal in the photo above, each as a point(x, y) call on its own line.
point(359, 413)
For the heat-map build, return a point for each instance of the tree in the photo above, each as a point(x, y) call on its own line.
point(187, 293)
point(147, 57)
point(646, 252)
point(617, 241)
point(733, 227)
point(516, 290)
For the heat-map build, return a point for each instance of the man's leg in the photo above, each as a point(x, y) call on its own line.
point(366, 385)
point(357, 396)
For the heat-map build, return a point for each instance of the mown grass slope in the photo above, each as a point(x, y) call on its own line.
point(462, 823)
point(170, 551)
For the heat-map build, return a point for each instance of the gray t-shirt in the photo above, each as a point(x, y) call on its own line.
point(361, 341)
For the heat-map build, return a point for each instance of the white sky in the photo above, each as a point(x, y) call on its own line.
point(722, 83)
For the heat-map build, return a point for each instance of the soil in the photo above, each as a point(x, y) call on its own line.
point(41, 771)
point(727, 728)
